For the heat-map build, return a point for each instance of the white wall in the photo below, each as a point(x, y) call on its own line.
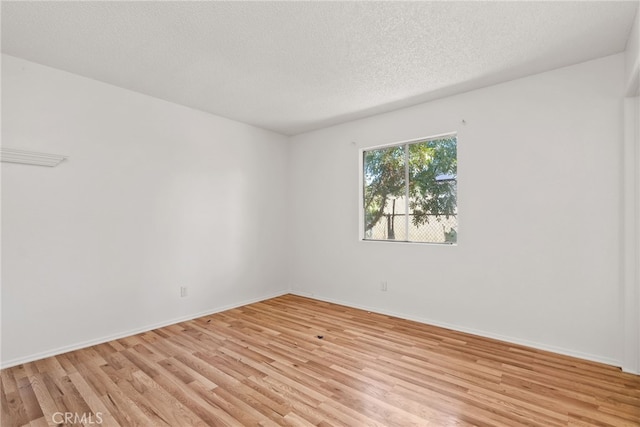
point(630, 293)
point(538, 254)
point(153, 196)
point(632, 59)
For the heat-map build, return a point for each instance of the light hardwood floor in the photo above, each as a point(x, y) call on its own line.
point(264, 364)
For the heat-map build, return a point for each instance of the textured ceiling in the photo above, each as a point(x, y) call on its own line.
point(297, 66)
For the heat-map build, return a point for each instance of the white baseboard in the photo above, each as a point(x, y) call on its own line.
point(124, 334)
point(631, 371)
point(477, 332)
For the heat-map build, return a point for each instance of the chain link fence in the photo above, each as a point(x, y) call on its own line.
point(438, 229)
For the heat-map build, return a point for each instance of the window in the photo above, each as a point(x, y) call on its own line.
point(410, 191)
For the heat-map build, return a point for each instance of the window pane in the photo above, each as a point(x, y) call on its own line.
point(430, 214)
point(384, 189)
point(433, 168)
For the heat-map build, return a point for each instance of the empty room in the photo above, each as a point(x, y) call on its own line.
point(340, 213)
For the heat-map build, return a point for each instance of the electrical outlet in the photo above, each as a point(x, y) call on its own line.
point(383, 286)
point(183, 291)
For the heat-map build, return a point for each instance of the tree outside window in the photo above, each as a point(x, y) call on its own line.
point(410, 191)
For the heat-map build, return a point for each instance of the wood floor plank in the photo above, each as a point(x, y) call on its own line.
point(223, 417)
point(95, 404)
point(301, 362)
point(13, 410)
point(45, 401)
point(29, 400)
point(125, 411)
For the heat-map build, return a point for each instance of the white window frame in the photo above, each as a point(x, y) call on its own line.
point(361, 151)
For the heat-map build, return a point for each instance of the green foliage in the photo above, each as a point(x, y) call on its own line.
point(384, 176)
point(432, 167)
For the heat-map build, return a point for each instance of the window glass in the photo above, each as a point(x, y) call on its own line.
point(410, 191)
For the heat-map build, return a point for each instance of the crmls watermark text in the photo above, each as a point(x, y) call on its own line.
point(75, 418)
